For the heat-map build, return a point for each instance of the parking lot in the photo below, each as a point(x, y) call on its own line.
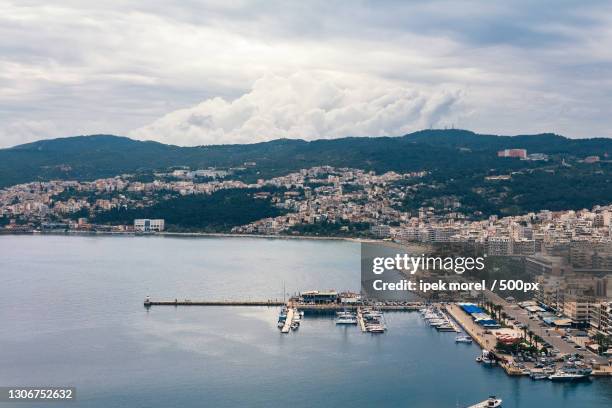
point(550, 335)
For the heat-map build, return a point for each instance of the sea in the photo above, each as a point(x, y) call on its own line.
point(72, 314)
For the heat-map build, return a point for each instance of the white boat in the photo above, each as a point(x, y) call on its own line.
point(486, 357)
point(571, 373)
point(346, 320)
point(535, 375)
point(463, 339)
point(563, 376)
point(491, 402)
point(375, 328)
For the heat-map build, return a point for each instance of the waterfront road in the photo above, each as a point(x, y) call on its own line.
point(552, 336)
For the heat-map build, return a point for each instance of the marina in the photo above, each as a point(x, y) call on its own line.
point(163, 346)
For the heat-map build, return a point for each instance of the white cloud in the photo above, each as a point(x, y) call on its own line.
point(72, 67)
point(306, 105)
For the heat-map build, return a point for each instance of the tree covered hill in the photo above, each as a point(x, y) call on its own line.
point(449, 152)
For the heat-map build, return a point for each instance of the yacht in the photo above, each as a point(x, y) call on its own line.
point(571, 374)
point(463, 339)
point(346, 319)
point(491, 402)
point(375, 328)
point(486, 357)
point(538, 375)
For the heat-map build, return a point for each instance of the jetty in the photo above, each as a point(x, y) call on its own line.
point(287, 327)
point(187, 302)
point(361, 321)
point(292, 303)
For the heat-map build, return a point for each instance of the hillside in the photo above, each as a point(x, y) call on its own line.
point(454, 151)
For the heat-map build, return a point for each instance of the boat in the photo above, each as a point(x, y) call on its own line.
point(486, 357)
point(564, 376)
point(295, 326)
point(491, 402)
point(463, 339)
point(280, 324)
point(538, 375)
point(348, 318)
point(375, 328)
point(571, 373)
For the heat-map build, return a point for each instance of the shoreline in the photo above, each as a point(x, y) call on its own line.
point(193, 235)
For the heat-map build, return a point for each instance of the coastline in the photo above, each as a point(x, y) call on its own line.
point(194, 235)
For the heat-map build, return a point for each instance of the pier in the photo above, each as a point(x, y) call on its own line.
point(187, 302)
point(288, 320)
point(292, 303)
point(360, 320)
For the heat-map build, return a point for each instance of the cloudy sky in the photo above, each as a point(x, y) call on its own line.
point(209, 72)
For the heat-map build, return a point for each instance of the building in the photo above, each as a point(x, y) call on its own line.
point(576, 308)
point(499, 246)
point(546, 265)
point(601, 318)
point(524, 246)
point(315, 296)
point(520, 153)
point(148, 225)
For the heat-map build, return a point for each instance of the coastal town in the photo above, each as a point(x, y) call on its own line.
point(568, 253)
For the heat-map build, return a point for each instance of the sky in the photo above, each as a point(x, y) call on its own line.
point(220, 72)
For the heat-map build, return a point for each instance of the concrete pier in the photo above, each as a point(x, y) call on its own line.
point(187, 302)
point(287, 327)
point(361, 321)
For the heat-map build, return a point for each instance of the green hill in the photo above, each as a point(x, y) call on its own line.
point(91, 157)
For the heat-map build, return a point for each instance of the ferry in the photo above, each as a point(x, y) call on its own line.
point(491, 402)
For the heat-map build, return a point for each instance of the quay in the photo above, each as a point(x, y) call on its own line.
point(485, 340)
point(292, 303)
point(148, 303)
point(332, 307)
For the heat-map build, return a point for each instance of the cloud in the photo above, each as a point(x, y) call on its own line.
point(306, 105)
point(118, 65)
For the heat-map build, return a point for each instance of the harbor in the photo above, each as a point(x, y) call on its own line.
point(467, 321)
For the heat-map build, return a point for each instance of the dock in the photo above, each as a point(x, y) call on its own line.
point(318, 307)
point(360, 320)
point(187, 302)
point(287, 327)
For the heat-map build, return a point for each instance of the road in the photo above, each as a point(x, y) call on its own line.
point(548, 334)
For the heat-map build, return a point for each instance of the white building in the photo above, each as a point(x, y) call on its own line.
point(147, 225)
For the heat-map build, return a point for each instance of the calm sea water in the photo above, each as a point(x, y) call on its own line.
point(71, 314)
